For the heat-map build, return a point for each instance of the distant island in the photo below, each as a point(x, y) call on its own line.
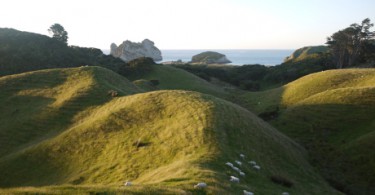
point(210, 57)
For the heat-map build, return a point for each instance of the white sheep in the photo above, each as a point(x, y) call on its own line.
point(257, 167)
point(234, 179)
point(242, 156)
point(247, 192)
point(229, 164)
point(238, 162)
point(285, 193)
point(236, 169)
point(200, 185)
point(242, 173)
point(128, 183)
point(252, 163)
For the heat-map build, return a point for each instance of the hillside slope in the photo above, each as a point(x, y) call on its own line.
point(332, 114)
point(306, 53)
point(36, 104)
point(170, 77)
point(163, 141)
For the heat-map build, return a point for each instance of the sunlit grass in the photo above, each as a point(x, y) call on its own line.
point(86, 141)
point(331, 114)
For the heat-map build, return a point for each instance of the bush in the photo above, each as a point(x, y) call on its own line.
point(154, 82)
point(282, 181)
point(137, 67)
point(250, 85)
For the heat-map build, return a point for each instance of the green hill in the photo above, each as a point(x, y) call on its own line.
point(40, 103)
point(306, 53)
point(170, 77)
point(331, 114)
point(70, 136)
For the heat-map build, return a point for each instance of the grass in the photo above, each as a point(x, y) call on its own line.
point(331, 114)
point(170, 77)
point(307, 52)
point(77, 139)
point(48, 101)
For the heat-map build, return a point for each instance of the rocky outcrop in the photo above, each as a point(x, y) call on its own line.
point(210, 57)
point(128, 50)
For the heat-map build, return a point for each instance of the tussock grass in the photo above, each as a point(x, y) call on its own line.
point(163, 141)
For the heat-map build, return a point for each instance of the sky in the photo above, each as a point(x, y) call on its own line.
point(189, 24)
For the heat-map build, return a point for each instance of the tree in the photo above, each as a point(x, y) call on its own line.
point(59, 33)
point(346, 45)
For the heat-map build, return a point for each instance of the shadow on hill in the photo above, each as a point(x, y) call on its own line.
point(338, 138)
point(265, 104)
point(20, 124)
point(32, 109)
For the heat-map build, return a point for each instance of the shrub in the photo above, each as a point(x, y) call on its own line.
point(282, 181)
point(154, 82)
point(137, 67)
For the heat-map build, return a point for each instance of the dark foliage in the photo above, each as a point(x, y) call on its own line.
point(282, 181)
point(59, 33)
point(136, 67)
point(251, 77)
point(23, 52)
point(270, 115)
point(154, 82)
point(347, 45)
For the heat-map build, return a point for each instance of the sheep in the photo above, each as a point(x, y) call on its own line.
point(252, 163)
point(242, 156)
point(229, 164)
point(285, 193)
point(247, 192)
point(242, 173)
point(238, 162)
point(200, 185)
point(128, 183)
point(257, 167)
point(236, 169)
point(234, 179)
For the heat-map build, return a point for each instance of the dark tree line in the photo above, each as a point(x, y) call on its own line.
point(23, 52)
point(347, 45)
point(258, 77)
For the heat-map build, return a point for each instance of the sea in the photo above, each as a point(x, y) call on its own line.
point(268, 57)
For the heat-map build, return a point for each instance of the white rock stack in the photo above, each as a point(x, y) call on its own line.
point(128, 50)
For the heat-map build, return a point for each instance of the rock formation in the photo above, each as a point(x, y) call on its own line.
point(130, 50)
point(210, 57)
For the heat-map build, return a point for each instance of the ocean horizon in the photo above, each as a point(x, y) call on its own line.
point(269, 57)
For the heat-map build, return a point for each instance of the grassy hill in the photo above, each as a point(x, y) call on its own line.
point(332, 114)
point(70, 136)
point(40, 103)
point(306, 53)
point(170, 77)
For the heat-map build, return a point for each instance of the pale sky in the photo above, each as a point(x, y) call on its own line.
point(189, 24)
